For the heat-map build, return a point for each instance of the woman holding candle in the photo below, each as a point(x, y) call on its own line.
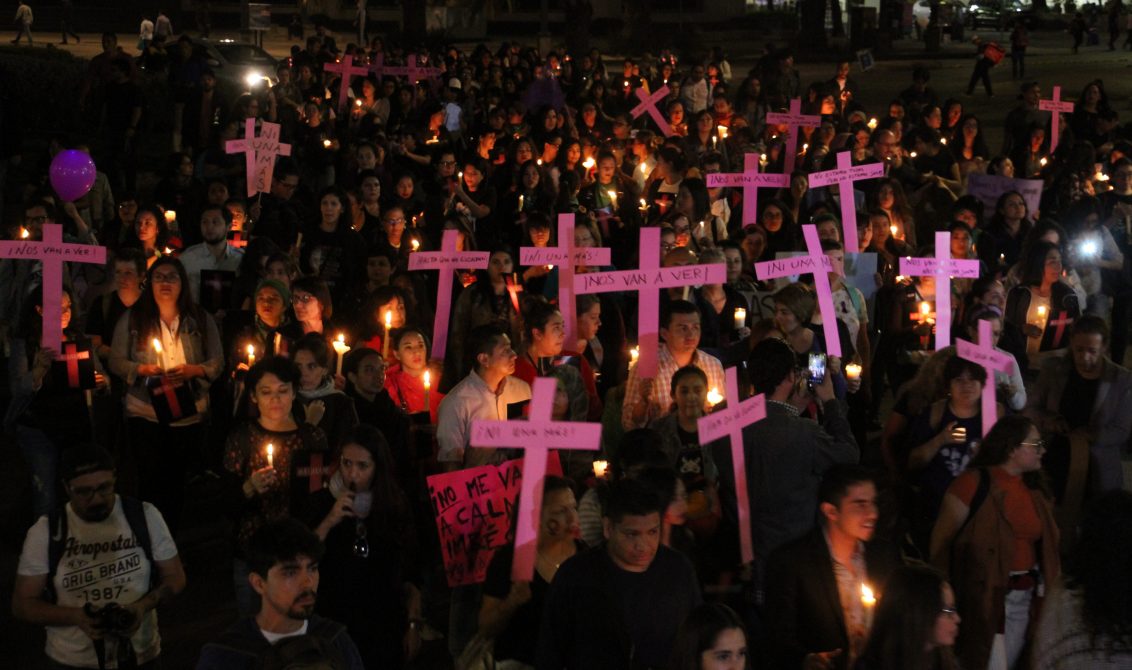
point(1000, 244)
point(411, 382)
point(997, 539)
point(270, 328)
point(191, 355)
point(261, 491)
point(486, 301)
point(1040, 309)
point(889, 197)
point(371, 568)
point(150, 233)
point(916, 624)
point(384, 312)
point(323, 404)
point(724, 306)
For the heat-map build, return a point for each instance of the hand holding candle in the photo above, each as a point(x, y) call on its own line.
point(341, 349)
point(251, 356)
point(388, 333)
point(869, 602)
point(600, 469)
point(740, 318)
point(634, 354)
point(852, 371)
point(714, 397)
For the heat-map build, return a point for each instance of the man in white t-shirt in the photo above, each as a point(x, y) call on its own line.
point(107, 553)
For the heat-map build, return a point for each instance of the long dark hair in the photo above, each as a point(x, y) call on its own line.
point(905, 622)
point(145, 316)
point(389, 501)
point(1099, 569)
point(1034, 263)
point(699, 632)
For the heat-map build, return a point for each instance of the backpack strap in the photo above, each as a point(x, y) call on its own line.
point(56, 542)
point(139, 526)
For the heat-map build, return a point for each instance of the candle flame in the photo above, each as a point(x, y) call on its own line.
point(388, 318)
point(427, 379)
point(326, 143)
point(892, 230)
point(416, 244)
point(868, 598)
point(714, 397)
point(157, 345)
point(342, 338)
point(634, 354)
point(588, 163)
point(925, 308)
point(1041, 310)
point(24, 233)
point(873, 123)
point(600, 468)
point(251, 350)
point(644, 169)
point(170, 216)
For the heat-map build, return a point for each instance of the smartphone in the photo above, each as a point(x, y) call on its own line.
point(817, 369)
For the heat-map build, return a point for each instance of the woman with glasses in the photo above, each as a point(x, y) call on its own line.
point(997, 539)
point(369, 574)
point(915, 625)
point(168, 352)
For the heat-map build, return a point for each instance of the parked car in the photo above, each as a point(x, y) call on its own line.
point(239, 66)
point(999, 14)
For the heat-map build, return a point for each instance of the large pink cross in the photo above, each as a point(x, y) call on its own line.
point(380, 69)
point(52, 253)
point(992, 361)
point(647, 282)
point(844, 175)
point(730, 422)
point(448, 258)
point(750, 180)
point(259, 153)
point(793, 120)
point(944, 268)
point(648, 104)
point(565, 256)
point(815, 262)
point(538, 434)
point(417, 72)
point(1058, 107)
point(345, 69)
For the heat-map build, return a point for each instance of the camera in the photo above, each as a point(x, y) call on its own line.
point(112, 617)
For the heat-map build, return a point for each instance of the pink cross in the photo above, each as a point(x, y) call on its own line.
point(417, 72)
point(538, 434)
point(1061, 322)
point(844, 175)
point(750, 180)
point(558, 255)
point(730, 422)
point(72, 358)
point(793, 120)
point(345, 69)
point(448, 258)
point(647, 282)
point(648, 104)
point(815, 262)
point(259, 153)
point(52, 252)
point(380, 69)
point(944, 267)
point(1058, 107)
point(992, 361)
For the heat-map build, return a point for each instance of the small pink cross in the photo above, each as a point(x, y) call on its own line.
point(943, 267)
point(648, 104)
point(1058, 107)
point(844, 175)
point(793, 120)
point(815, 262)
point(448, 258)
point(72, 358)
point(345, 69)
point(750, 180)
point(992, 361)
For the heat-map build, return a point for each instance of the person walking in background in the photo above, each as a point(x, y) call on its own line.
point(983, 65)
point(24, 19)
point(1077, 29)
point(67, 21)
point(145, 33)
point(1114, 9)
point(1019, 41)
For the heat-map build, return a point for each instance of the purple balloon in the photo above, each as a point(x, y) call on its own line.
point(72, 174)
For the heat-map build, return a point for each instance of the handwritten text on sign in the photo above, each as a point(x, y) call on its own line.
point(952, 266)
point(674, 276)
point(40, 250)
point(555, 256)
point(796, 265)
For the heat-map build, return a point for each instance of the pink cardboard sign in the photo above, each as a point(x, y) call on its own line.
point(259, 154)
point(750, 180)
point(844, 175)
point(815, 262)
point(1058, 107)
point(345, 69)
point(559, 255)
point(448, 258)
point(943, 267)
point(793, 120)
point(647, 282)
point(537, 435)
point(992, 361)
point(648, 104)
point(729, 422)
point(52, 253)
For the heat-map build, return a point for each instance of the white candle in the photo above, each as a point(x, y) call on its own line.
point(852, 371)
point(521, 203)
point(270, 455)
point(600, 468)
point(634, 354)
point(869, 602)
point(278, 344)
point(427, 386)
point(714, 397)
point(251, 355)
point(740, 318)
point(388, 329)
point(612, 197)
point(341, 349)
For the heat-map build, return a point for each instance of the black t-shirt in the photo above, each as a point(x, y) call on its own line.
point(103, 317)
point(1077, 399)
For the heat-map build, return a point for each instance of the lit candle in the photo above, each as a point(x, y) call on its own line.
point(168, 251)
point(388, 328)
point(943, 141)
point(270, 455)
point(762, 161)
point(600, 468)
point(925, 310)
point(912, 155)
point(358, 103)
point(873, 123)
point(278, 344)
point(959, 433)
point(644, 169)
point(740, 318)
point(427, 387)
point(612, 197)
point(892, 230)
point(251, 356)
point(326, 143)
point(852, 371)
point(644, 207)
point(1042, 162)
point(539, 162)
point(714, 142)
point(805, 147)
point(869, 602)
point(899, 279)
point(170, 216)
point(340, 348)
point(634, 354)
point(24, 233)
point(714, 397)
point(589, 164)
point(521, 198)
point(160, 353)
point(416, 244)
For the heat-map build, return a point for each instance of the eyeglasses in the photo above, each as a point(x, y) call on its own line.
point(89, 492)
point(172, 278)
point(394, 222)
point(949, 611)
point(1038, 446)
point(302, 298)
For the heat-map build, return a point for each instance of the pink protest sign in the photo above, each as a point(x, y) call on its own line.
point(52, 252)
point(259, 154)
point(793, 120)
point(818, 264)
point(345, 69)
point(844, 175)
point(538, 434)
point(451, 259)
point(730, 422)
point(1058, 107)
point(750, 180)
point(565, 256)
point(647, 282)
point(943, 267)
point(992, 361)
point(648, 104)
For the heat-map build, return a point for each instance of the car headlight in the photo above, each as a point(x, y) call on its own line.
point(254, 79)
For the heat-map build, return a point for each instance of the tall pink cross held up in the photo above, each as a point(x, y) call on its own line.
point(844, 175)
point(818, 264)
point(259, 153)
point(1057, 107)
point(647, 282)
point(944, 268)
point(450, 259)
point(52, 252)
point(648, 104)
point(992, 361)
point(750, 180)
point(565, 256)
point(793, 120)
point(538, 434)
point(417, 72)
point(379, 69)
point(345, 69)
point(730, 422)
